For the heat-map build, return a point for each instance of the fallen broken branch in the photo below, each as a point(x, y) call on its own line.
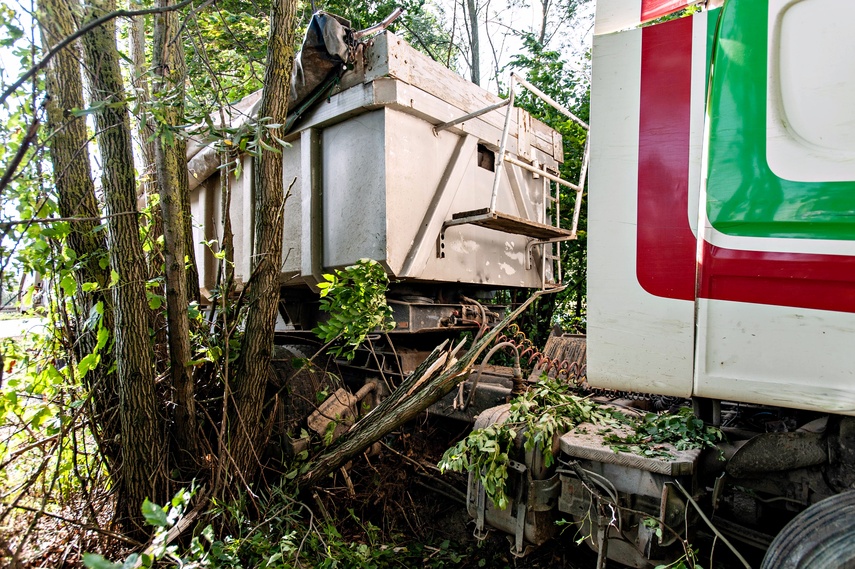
point(430, 382)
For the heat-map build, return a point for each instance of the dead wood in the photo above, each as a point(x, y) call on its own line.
point(424, 387)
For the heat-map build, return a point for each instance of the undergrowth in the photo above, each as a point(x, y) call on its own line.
point(287, 537)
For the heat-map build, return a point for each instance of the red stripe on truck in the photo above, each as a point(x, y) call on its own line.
point(666, 246)
point(820, 282)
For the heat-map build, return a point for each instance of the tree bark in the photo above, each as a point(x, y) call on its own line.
point(544, 5)
point(142, 470)
point(419, 391)
point(253, 365)
point(474, 41)
point(171, 166)
point(148, 188)
point(145, 131)
point(76, 199)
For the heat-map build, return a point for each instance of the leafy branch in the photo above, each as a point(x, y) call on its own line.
point(355, 299)
point(88, 27)
point(539, 415)
point(682, 430)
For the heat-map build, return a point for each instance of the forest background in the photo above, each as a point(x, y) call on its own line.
point(135, 395)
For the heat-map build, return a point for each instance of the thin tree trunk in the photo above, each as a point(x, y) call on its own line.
point(253, 365)
point(171, 163)
point(142, 470)
point(544, 4)
point(145, 130)
point(148, 181)
point(189, 243)
point(474, 42)
point(76, 198)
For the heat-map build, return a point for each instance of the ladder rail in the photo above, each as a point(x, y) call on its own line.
point(551, 217)
point(500, 157)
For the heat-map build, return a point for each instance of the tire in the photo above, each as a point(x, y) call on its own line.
point(821, 537)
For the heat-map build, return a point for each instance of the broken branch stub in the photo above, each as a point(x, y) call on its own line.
point(424, 387)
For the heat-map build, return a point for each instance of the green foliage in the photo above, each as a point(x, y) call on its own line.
point(548, 409)
point(682, 430)
point(689, 560)
point(421, 25)
point(42, 415)
point(355, 299)
point(225, 51)
point(547, 70)
point(285, 539)
point(687, 11)
point(204, 550)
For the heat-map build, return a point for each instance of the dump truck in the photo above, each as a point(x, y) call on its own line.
point(721, 266)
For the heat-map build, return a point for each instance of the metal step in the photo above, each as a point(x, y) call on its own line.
point(507, 224)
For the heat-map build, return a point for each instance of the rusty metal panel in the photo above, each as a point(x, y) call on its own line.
point(562, 352)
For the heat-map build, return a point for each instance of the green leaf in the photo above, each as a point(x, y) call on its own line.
point(69, 286)
point(153, 514)
point(95, 561)
point(103, 336)
point(88, 363)
point(155, 301)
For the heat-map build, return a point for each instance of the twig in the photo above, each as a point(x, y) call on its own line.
point(83, 31)
point(22, 151)
point(6, 224)
point(348, 482)
point(449, 492)
point(77, 523)
point(710, 524)
point(18, 452)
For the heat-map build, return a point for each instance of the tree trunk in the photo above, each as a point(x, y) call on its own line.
point(145, 130)
point(189, 243)
point(544, 5)
point(76, 198)
point(171, 164)
point(148, 188)
point(253, 365)
point(142, 469)
point(474, 41)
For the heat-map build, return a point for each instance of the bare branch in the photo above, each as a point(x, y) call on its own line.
point(22, 150)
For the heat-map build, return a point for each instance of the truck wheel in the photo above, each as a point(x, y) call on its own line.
point(821, 537)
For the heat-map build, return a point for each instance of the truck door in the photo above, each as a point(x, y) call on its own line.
point(776, 262)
